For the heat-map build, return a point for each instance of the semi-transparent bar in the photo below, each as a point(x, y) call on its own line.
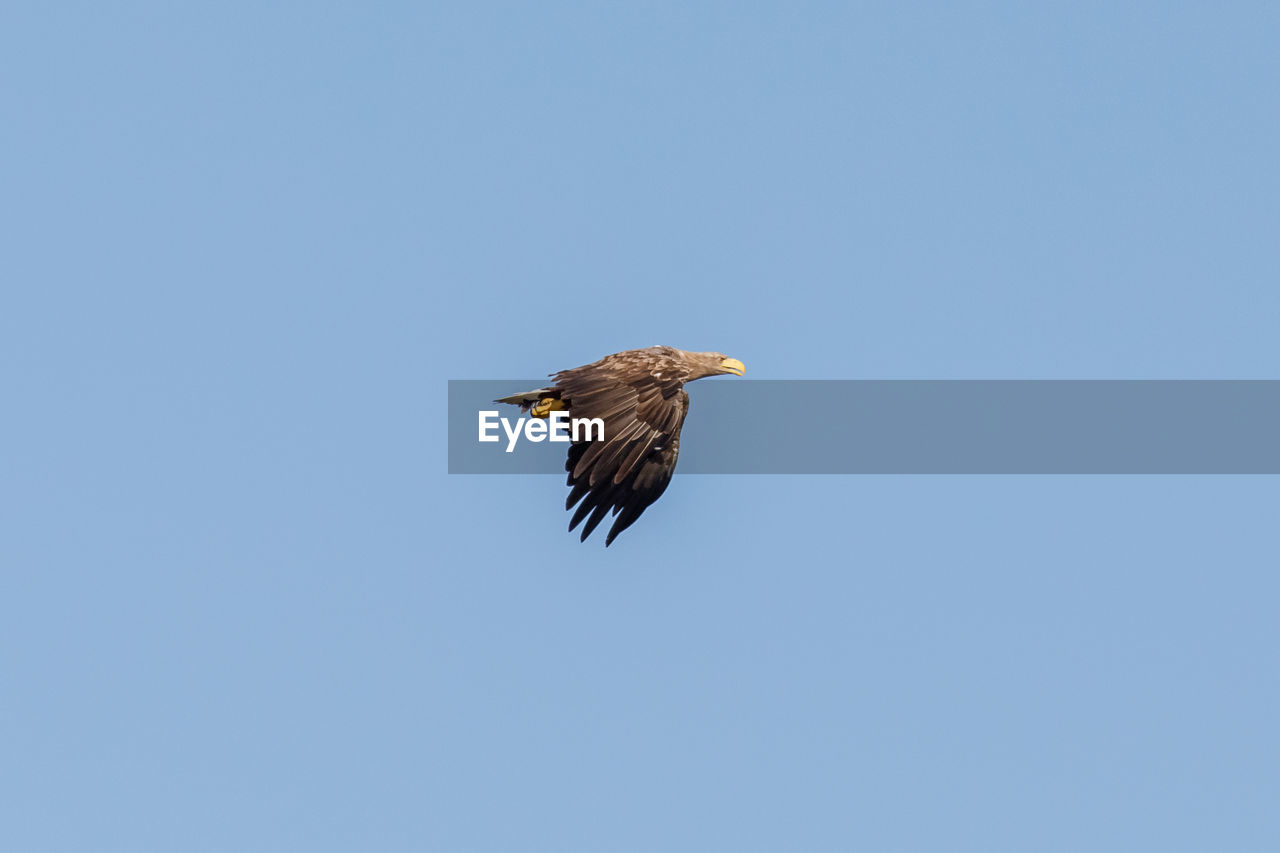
point(742, 426)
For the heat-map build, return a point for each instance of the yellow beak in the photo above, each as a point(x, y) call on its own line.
point(732, 365)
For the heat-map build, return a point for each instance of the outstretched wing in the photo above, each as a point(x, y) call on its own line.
point(631, 467)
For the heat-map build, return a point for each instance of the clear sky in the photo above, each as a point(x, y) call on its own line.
point(244, 245)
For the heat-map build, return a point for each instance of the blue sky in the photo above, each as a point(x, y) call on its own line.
point(242, 606)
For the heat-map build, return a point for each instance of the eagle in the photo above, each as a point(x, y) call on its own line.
point(639, 395)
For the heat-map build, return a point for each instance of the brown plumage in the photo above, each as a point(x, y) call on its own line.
point(640, 396)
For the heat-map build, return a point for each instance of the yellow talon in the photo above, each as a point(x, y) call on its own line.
point(546, 406)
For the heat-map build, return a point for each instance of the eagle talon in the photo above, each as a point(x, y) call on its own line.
point(546, 406)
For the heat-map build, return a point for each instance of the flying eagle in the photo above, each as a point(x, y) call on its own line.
point(639, 395)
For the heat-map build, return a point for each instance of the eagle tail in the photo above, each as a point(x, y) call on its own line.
point(529, 398)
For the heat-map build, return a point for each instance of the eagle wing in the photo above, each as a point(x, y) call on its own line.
point(631, 467)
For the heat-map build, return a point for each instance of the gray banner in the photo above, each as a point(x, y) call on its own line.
point(740, 426)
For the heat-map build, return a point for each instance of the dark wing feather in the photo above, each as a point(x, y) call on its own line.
point(631, 467)
point(647, 485)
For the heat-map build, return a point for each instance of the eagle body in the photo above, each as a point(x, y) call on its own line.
point(639, 395)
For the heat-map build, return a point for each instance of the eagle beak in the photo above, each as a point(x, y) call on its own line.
point(732, 365)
